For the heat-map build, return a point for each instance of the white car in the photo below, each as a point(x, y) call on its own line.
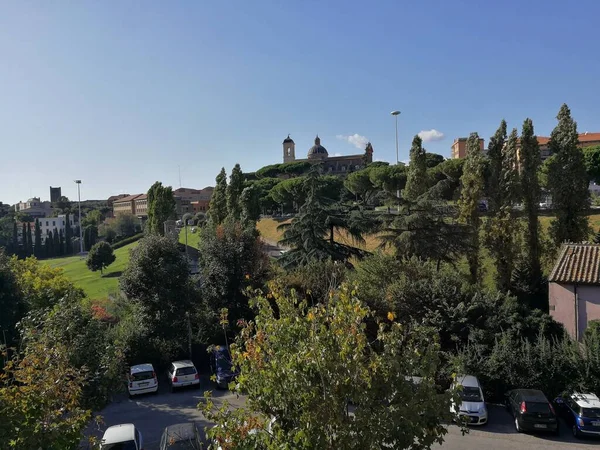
point(183, 373)
point(142, 379)
point(473, 403)
point(122, 437)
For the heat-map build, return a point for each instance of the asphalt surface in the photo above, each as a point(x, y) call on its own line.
point(153, 412)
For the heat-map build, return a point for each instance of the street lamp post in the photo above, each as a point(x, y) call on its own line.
point(78, 182)
point(396, 114)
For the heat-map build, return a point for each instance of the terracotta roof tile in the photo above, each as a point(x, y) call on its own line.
point(589, 137)
point(577, 264)
point(127, 199)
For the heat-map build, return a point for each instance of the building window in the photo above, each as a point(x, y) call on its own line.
point(343, 168)
point(53, 223)
point(46, 223)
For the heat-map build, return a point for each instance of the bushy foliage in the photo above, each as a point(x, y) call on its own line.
point(127, 241)
point(100, 256)
point(161, 207)
point(302, 365)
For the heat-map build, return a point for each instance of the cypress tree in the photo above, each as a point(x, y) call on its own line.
point(61, 242)
point(68, 236)
point(530, 188)
point(161, 207)
point(234, 192)
point(416, 180)
point(24, 240)
point(49, 244)
point(495, 156)
point(568, 182)
point(472, 184)
point(217, 210)
point(29, 240)
point(15, 238)
point(38, 239)
point(56, 243)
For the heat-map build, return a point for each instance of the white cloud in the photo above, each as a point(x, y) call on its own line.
point(357, 140)
point(337, 154)
point(431, 135)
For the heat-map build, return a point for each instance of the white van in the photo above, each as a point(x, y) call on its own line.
point(472, 402)
point(142, 379)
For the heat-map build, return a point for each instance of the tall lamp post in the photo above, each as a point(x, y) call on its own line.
point(396, 114)
point(78, 182)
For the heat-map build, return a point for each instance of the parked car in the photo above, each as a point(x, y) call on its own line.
point(183, 373)
point(122, 437)
point(181, 436)
point(531, 410)
point(581, 412)
point(472, 402)
point(221, 367)
point(142, 379)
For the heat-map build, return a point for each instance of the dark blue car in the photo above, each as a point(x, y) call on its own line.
point(581, 412)
point(221, 366)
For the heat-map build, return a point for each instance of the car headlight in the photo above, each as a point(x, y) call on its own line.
point(482, 409)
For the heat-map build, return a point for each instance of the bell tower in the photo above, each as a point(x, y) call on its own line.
point(289, 150)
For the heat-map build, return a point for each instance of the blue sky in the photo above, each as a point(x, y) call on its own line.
point(121, 93)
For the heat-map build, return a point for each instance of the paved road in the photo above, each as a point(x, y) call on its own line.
point(152, 413)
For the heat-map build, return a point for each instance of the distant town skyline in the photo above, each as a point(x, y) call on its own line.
point(120, 95)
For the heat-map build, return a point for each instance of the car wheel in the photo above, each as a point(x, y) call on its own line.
point(576, 432)
point(517, 426)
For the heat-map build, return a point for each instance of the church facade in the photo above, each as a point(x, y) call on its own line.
point(337, 165)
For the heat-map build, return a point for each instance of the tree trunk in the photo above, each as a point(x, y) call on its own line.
point(331, 240)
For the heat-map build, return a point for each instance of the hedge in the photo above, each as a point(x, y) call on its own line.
point(126, 241)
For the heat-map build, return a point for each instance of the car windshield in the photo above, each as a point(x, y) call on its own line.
point(223, 361)
point(470, 394)
point(139, 376)
point(593, 413)
point(129, 445)
point(186, 371)
point(538, 407)
point(183, 445)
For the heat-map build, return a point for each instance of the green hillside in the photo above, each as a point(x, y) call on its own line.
point(94, 285)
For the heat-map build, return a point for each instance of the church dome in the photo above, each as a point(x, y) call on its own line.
point(288, 139)
point(317, 151)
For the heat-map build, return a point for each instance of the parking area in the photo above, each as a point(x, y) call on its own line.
point(152, 413)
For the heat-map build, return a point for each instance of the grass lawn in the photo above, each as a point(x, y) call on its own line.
point(193, 239)
point(94, 285)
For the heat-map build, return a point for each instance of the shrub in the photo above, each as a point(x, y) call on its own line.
point(126, 240)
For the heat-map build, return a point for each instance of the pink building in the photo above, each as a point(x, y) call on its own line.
point(574, 287)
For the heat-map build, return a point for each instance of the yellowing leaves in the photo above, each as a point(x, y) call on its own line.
point(391, 316)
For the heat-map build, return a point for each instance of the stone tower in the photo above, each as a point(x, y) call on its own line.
point(289, 150)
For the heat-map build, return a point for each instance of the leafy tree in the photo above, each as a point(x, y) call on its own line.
point(591, 157)
point(390, 180)
point(311, 234)
point(289, 193)
point(49, 244)
point(301, 365)
point(125, 225)
point(100, 256)
point(471, 193)
point(15, 238)
point(40, 285)
point(416, 179)
point(359, 183)
point(568, 182)
point(433, 160)
point(24, 239)
point(29, 240)
point(63, 205)
point(12, 304)
point(38, 239)
point(93, 217)
point(56, 243)
point(40, 400)
point(502, 226)
point(234, 192)
point(450, 171)
point(530, 188)
point(7, 224)
point(161, 207)
point(250, 204)
point(90, 235)
point(218, 203)
point(263, 187)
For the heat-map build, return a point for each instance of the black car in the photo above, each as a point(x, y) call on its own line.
point(181, 436)
point(531, 410)
point(221, 367)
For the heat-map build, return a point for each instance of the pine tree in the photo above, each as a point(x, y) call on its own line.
point(472, 184)
point(502, 226)
point(250, 204)
point(161, 207)
point(38, 239)
point(568, 182)
point(56, 243)
point(234, 192)
point(416, 180)
point(29, 240)
point(530, 188)
point(218, 203)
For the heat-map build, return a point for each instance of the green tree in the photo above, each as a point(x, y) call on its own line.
point(100, 256)
point(12, 304)
point(161, 207)
point(416, 179)
point(433, 160)
point(63, 205)
point(38, 239)
point(502, 227)
point(301, 365)
point(24, 239)
point(93, 217)
point(125, 225)
point(15, 238)
point(359, 183)
point(311, 234)
point(56, 243)
point(234, 192)
point(61, 243)
point(90, 235)
point(68, 236)
point(468, 204)
point(29, 240)
point(250, 204)
point(218, 202)
point(530, 188)
point(591, 156)
point(568, 182)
